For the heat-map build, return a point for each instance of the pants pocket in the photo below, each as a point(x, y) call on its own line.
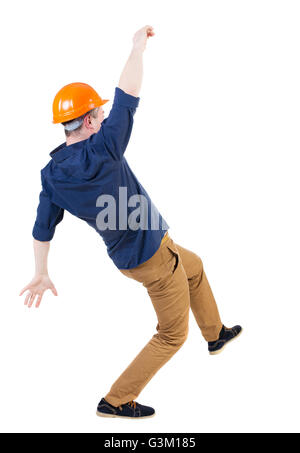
point(175, 253)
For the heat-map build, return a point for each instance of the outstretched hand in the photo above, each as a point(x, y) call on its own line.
point(38, 285)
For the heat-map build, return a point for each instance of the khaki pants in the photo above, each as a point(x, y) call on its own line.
point(175, 282)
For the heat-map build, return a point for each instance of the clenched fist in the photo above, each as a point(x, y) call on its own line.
point(141, 36)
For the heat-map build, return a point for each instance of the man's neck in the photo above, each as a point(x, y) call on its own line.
point(78, 138)
point(74, 138)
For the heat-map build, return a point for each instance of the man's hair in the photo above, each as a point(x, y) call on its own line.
point(76, 124)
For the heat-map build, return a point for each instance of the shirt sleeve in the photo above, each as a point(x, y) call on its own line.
point(115, 130)
point(48, 216)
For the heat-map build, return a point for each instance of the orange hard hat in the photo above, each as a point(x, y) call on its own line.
point(74, 100)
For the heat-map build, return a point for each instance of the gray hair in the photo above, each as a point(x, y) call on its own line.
point(76, 124)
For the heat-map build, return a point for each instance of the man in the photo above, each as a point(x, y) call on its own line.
point(89, 176)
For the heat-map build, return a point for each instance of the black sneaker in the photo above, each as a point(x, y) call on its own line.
point(226, 335)
point(132, 409)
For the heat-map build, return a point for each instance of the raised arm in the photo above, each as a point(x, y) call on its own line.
point(132, 74)
point(115, 130)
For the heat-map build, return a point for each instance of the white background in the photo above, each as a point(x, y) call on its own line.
point(216, 144)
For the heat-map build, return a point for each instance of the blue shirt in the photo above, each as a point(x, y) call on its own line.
point(92, 180)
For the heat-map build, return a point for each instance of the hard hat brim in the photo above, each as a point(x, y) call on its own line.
point(69, 116)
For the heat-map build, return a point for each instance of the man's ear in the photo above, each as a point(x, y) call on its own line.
point(87, 121)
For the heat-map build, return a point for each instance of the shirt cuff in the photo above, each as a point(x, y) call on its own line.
point(42, 234)
point(125, 99)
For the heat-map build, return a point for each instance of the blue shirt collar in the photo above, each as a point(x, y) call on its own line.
point(62, 152)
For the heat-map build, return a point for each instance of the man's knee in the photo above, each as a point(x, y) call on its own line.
point(199, 264)
point(184, 336)
point(176, 340)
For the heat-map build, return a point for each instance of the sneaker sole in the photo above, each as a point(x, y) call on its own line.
point(99, 414)
point(222, 348)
